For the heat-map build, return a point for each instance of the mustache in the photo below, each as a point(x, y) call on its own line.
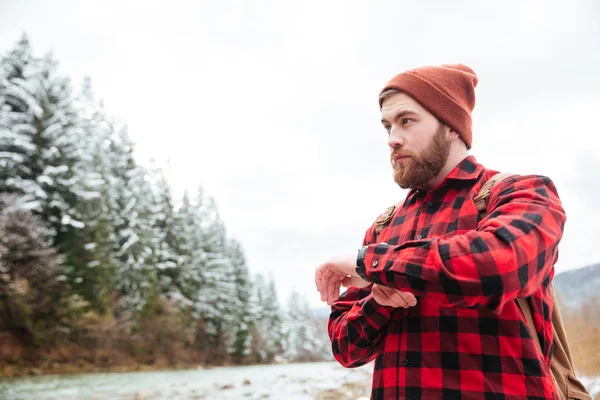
point(403, 153)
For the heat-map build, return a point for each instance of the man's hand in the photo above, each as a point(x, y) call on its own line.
point(330, 275)
point(393, 298)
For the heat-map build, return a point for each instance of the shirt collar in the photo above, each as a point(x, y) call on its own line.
point(467, 169)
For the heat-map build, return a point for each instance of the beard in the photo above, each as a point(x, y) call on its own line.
point(422, 167)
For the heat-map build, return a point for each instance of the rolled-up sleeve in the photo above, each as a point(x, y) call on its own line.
point(508, 256)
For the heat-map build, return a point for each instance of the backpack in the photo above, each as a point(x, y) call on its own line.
point(561, 365)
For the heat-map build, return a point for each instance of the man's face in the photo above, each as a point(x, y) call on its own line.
point(419, 143)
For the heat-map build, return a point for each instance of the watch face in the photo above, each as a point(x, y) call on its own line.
point(360, 271)
point(360, 260)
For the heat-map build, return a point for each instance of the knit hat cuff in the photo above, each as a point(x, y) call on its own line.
point(435, 101)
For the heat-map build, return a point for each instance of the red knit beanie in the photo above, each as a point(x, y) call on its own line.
point(447, 91)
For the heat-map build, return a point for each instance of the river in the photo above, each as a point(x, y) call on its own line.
point(304, 381)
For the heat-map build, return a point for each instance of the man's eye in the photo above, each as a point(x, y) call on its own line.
point(387, 128)
point(405, 120)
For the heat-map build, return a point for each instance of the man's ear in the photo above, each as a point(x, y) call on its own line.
point(451, 133)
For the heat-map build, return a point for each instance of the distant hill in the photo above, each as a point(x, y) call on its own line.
point(574, 286)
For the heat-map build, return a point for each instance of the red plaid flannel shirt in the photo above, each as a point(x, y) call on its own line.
point(466, 338)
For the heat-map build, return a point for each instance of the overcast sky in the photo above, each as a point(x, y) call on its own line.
point(272, 105)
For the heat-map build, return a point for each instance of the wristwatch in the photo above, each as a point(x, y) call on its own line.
point(360, 263)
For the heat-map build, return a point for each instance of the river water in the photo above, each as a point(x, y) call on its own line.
point(287, 382)
point(305, 381)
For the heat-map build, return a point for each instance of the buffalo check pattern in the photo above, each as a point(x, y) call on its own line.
point(466, 338)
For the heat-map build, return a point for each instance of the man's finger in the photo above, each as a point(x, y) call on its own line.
point(398, 298)
point(318, 275)
point(380, 296)
point(408, 297)
point(338, 285)
point(323, 290)
point(393, 298)
point(336, 292)
point(396, 301)
point(324, 274)
point(331, 290)
point(323, 286)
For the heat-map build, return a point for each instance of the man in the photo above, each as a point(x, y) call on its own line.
point(432, 299)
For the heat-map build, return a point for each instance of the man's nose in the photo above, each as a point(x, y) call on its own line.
point(396, 138)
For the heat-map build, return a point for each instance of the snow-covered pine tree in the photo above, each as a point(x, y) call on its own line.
point(216, 302)
point(240, 348)
point(136, 272)
point(267, 329)
point(56, 164)
point(40, 146)
point(17, 108)
point(93, 269)
point(303, 340)
point(38, 101)
point(259, 347)
point(164, 235)
point(182, 282)
point(273, 316)
point(293, 330)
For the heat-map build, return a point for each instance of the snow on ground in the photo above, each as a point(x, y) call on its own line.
point(591, 384)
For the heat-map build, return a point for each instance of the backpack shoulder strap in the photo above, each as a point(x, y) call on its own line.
point(486, 189)
point(385, 218)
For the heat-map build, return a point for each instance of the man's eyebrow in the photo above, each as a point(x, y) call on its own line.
point(398, 116)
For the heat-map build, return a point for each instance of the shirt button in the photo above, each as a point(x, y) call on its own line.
point(420, 237)
point(405, 362)
point(429, 203)
point(375, 263)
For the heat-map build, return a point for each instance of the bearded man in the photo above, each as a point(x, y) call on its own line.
point(431, 293)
